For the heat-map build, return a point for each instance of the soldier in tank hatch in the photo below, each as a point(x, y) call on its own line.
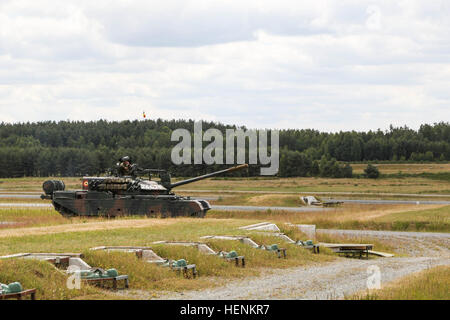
point(125, 168)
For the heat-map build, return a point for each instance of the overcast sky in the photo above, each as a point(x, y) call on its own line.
point(327, 65)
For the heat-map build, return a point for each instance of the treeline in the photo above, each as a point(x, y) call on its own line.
point(79, 148)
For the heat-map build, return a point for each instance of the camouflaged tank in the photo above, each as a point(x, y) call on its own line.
point(118, 196)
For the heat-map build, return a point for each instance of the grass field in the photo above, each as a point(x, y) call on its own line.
point(23, 200)
point(213, 270)
point(35, 217)
point(431, 284)
point(49, 282)
point(408, 168)
point(45, 230)
point(372, 217)
point(434, 218)
point(395, 184)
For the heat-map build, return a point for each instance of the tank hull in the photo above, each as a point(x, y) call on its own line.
point(118, 195)
point(91, 203)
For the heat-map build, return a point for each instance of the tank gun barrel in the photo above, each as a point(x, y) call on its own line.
point(212, 174)
point(144, 171)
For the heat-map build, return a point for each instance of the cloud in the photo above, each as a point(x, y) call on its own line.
point(287, 64)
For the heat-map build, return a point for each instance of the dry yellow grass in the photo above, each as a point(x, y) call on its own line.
point(343, 213)
point(49, 282)
point(431, 284)
point(282, 200)
point(410, 185)
point(357, 216)
point(35, 183)
point(272, 200)
point(87, 226)
point(214, 271)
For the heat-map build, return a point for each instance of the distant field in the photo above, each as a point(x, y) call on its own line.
point(412, 168)
point(396, 184)
point(409, 185)
point(29, 184)
point(353, 216)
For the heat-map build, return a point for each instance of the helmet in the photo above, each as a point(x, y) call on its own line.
point(126, 158)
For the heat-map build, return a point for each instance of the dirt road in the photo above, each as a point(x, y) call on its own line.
point(88, 226)
point(339, 278)
point(331, 281)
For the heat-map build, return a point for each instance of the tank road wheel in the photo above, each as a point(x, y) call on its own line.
point(165, 214)
point(63, 211)
point(151, 214)
point(198, 214)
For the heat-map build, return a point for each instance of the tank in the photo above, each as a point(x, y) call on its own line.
point(113, 196)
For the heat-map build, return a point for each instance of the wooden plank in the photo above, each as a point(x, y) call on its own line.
point(381, 254)
point(113, 279)
point(16, 255)
point(331, 245)
point(66, 254)
point(19, 295)
point(121, 248)
point(347, 246)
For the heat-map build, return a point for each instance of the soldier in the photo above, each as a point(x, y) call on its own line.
point(125, 167)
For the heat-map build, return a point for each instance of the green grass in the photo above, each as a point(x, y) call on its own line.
point(38, 217)
point(25, 217)
point(431, 284)
point(182, 229)
point(143, 275)
point(213, 270)
point(439, 176)
point(49, 282)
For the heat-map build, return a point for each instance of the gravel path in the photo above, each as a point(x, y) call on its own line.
point(331, 281)
point(339, 278)
point(264, 208)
